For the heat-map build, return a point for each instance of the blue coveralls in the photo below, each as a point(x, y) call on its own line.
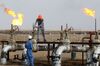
point(30, 57)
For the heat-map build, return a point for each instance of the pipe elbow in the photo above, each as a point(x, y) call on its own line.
point(61, 49)
point(7, 48)
point(55, 58)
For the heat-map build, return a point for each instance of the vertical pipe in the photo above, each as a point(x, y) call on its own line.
point(61, 28)
point(61, 33)
point(90, 41)
point(33, 33)
point(90, 52)
point(53, 46)
point(83, 52)
point(95, 25)
point(11, 40)
point(66, 26)
point(48, 56)
point(8, 55)
point(2, 45)
point(82, 56)
point(11, 35)
point(66, 32)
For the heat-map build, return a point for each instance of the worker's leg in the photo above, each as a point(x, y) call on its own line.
point(30, 59)
point(38, 33)
point(43, 34)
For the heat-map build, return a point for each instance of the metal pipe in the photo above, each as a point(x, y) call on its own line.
point(93, 55)
point(24, 56)
point(48, 56)
point(61, 33)
point(4, 54)
point(96, 56)
point(56, 59)
point(83, 40)
point(56, 54)
point(65, 47)
point(80, 48)
point(95, 25)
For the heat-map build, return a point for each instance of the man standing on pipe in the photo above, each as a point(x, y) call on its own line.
point(28, 46)
point(40, 26)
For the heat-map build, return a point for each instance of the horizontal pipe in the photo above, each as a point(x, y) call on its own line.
point(76, 43)
point(44, 47)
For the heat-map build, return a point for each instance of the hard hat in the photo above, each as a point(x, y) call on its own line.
point(40, 17)
point(29, 37)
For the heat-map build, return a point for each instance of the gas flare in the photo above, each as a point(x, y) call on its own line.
point(10, 12)
point(18, 20)
point(89, 12)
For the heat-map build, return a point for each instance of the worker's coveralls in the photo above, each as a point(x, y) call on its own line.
point(40, 27)
point(30, 57)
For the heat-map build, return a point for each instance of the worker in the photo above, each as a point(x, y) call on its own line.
point(28, 46)
point(40, 26)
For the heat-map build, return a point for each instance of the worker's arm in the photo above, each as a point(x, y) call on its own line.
point(35, 24)
point(26, 44)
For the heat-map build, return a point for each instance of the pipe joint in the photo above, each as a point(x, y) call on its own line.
point(55, 58)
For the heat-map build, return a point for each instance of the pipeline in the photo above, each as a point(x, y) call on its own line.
point(24, 56)
point(96, 52)
point(65, 47)
point(6, 49)
point(96, 56)
point(93, 54)
point(4, 54)
point(79, 48)
point(56, 54)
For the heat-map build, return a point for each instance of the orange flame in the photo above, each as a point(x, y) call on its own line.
point(19, 20)
point(10, 12)
point(89, 12)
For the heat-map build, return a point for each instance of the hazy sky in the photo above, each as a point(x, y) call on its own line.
point(55, 13)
